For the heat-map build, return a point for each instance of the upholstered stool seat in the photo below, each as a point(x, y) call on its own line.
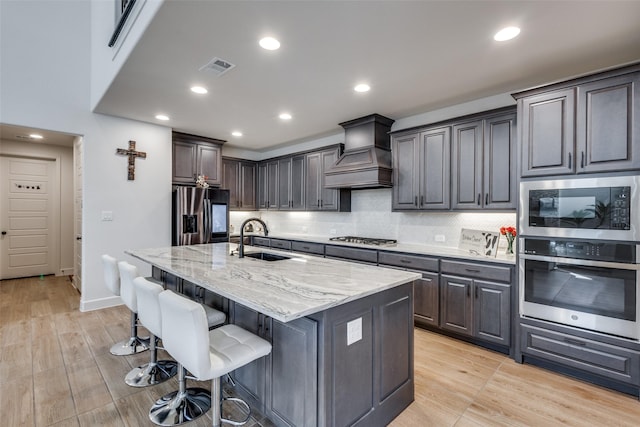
point(156, 371)
point(208, 355)
point(134, 344)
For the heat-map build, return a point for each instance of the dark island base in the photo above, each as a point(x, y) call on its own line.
point(313, 376)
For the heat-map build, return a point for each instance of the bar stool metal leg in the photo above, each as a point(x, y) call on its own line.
point(217, 399)
point(134, 344)
point(153, 372)
point(181, 406)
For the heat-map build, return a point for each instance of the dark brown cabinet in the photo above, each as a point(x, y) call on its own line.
point(473, 302)
point(421, 170)
point(319, 198)
point(194, 155)
point(268, 190)
point(291, 188)
point(483, 157)
point(582, 126)
point(239, 177)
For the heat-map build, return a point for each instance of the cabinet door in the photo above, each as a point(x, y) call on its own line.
point(467, 166)
point(247, 187)
point(284, 184)
point(293, 377)
point(456, 304)
point(263, 186)
point(435, 168)
point(209, 163)
point(230, 181)
point(313, 181)
point(272, 185)
point(297, 183)
point(499, 181)
point(251, 377)
point(405, 191)
point(425, 299)
point(329, 200)
point(547, 133)
point(184, 162)
point(492, 312)
point(608, 125)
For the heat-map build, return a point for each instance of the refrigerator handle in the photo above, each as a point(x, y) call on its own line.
point(206, 216)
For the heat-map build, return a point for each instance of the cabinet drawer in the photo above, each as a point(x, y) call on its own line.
point(613, 362)
point(476, 271)
point(355, 254)
point(261, 241)
point(414, 262)
point(309, 248)
point(281, 244)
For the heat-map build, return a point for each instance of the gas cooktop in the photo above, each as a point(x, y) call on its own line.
point(364, 240)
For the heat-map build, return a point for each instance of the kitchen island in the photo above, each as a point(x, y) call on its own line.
point(342, 332)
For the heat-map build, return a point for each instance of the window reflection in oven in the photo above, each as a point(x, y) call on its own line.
point(602, 291)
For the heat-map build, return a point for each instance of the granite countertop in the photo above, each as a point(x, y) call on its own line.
point(440, 251)
point(284, 290)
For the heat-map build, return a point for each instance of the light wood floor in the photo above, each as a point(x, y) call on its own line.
point(56, 370)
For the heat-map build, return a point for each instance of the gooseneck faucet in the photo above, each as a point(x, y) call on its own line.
point(241, 244)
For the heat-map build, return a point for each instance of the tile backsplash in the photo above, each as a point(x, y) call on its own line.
point(371, 216)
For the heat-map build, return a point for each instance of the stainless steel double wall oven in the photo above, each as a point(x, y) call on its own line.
point(579, 253)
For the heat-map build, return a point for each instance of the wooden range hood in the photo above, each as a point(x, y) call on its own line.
point(366, 161)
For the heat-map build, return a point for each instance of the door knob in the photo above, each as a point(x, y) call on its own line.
point(4, 233)
point(79, 238)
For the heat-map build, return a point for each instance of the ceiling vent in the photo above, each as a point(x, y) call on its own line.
point(217, 66)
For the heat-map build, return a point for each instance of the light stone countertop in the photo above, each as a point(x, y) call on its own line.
point(439, 251)
point(284, 290)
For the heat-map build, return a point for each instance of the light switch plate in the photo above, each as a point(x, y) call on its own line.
point(354, 331)
point(107, 216)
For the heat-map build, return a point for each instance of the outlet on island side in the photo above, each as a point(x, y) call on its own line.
point(439, 238)
point(354, 331)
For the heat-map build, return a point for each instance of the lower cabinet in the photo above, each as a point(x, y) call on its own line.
point(472, 306)
point(425, 299)
point(285, 381)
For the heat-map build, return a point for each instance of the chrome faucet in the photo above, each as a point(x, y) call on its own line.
point(241, 244)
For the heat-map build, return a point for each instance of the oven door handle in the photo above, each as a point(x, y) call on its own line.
point(586, 262)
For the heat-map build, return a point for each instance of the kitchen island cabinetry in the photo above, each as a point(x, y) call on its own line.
point(483, 160)
point(195, 155)
point(584, 125)
point(475, 300)
point(239, 177)
point(421, 169)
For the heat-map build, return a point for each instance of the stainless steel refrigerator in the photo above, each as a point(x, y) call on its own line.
point(200, 215)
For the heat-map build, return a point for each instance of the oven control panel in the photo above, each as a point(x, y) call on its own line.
point(580, 249)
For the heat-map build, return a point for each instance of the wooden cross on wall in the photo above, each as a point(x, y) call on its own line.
point(132, 153)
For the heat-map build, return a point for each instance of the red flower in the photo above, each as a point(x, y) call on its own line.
point(511, 231)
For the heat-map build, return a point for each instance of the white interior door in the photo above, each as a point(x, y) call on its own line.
point(26, 217)
point(77, 213)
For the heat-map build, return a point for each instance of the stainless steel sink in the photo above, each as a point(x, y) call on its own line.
point(265, 256)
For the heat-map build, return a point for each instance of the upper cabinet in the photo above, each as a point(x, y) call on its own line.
point(483, 156)
point(268, 190)
point(318, 197)
point(586, 125)
point(461, 164)
point(239, 177)
point(291, 189)
point(195, 155)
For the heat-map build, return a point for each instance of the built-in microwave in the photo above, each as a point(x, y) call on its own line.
point(604, 208)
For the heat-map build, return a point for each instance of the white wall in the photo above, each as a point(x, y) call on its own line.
point(64, 160)
point(45, 68)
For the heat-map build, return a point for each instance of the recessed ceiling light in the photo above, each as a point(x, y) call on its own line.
point(362, 87)
point(199, 90)
point(236, 133)
point(269, 43)
point(162, 117)
point(285, 116)
point(35, 136)
point(507, 33)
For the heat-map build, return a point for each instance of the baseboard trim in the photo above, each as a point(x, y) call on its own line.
point(100, 303)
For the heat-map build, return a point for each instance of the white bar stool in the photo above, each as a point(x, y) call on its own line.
point(156, 371)
point(208, 355)
point(136, 344)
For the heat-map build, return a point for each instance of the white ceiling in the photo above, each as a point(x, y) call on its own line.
point(22, 134)
point(417, 56)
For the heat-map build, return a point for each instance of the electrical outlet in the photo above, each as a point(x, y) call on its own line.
point(107, 216)
point(332, 231)
point(354, 331)
point(439, 238)
point(304, 229)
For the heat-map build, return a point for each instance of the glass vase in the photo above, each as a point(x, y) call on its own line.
point(509, 250)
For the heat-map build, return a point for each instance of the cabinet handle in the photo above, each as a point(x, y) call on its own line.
point(321, 203)
point(468, 291)
point(318, 202)
point(471, 270)
point(570, 162)
point(476, 291)
point(582, 160)
point(575, 342)
point(306, 247)
point(427, 279)
point(486, 199)
point(479, 198)
point(421, 201)
point(405, 261)
point(415, 201)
